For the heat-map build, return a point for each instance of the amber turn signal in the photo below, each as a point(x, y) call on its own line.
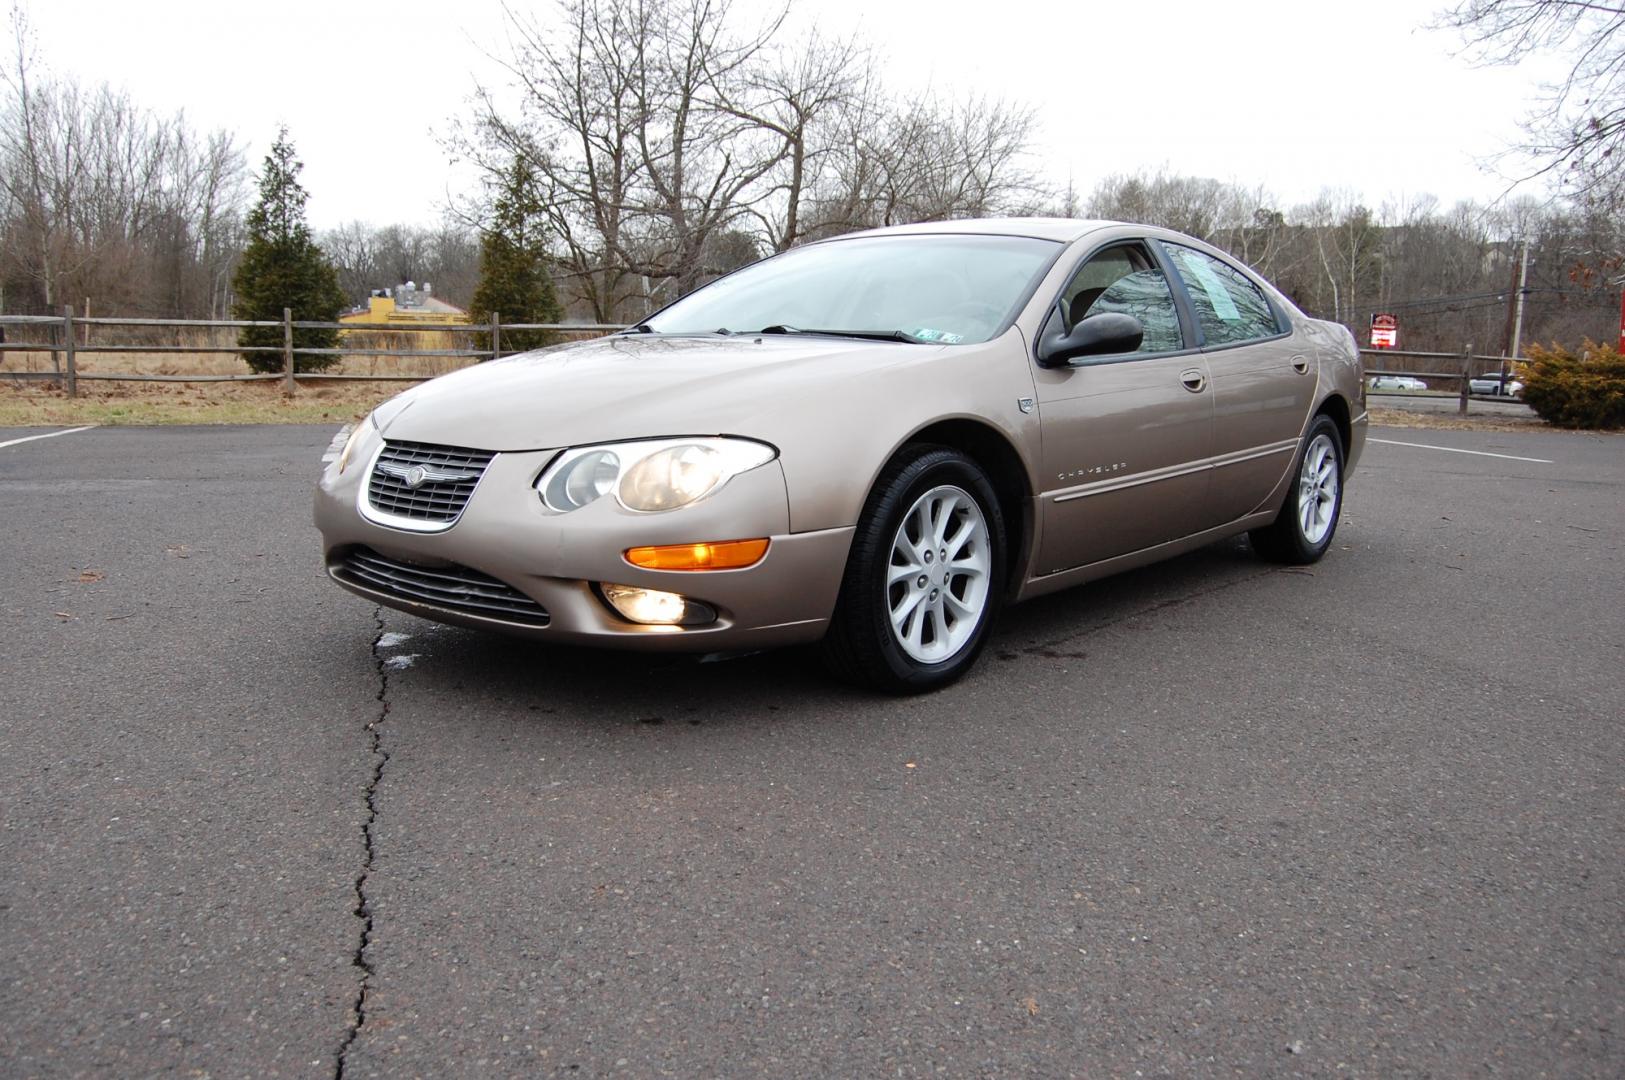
point(724, 555)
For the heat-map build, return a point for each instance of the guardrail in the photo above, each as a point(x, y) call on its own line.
point(65, 348)
point(1461, 371)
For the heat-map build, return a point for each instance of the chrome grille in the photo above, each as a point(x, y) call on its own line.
point(452, 587)
point(445, 477)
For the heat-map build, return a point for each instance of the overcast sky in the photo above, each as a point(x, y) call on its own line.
point(1294, 95)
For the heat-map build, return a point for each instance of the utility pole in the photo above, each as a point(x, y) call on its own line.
point(1517, 321)
point(1509, 336)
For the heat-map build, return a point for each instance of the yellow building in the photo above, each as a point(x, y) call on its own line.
point(400, 309)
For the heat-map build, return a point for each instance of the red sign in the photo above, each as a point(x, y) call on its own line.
point(1385, 331)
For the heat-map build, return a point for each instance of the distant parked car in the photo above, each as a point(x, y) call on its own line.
point(1396, 382)
point(1496, 384)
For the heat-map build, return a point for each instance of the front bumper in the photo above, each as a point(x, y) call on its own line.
point(557, 560)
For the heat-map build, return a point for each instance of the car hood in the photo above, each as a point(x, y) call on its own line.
point(626, 387)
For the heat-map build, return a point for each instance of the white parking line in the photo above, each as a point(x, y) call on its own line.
point(1453, 450)
point(47, 435)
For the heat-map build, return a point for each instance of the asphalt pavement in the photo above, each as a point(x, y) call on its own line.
point(1211, 818)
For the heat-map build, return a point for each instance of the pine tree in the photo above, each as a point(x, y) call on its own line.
point(282, 267)
point(514, 282)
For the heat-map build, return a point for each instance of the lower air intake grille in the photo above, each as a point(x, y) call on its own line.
point(454, 588)
point(424, 481)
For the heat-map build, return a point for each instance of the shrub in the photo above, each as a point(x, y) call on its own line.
point(1576, 391)
point(514, 281)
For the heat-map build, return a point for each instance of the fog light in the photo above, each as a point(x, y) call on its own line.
point(655, 608)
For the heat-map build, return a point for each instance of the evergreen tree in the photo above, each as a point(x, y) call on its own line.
point(514, 281)
point(282, 267)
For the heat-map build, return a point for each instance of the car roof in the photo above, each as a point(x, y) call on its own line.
point(1064, 230)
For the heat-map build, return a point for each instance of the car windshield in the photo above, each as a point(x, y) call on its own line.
point(943, 289)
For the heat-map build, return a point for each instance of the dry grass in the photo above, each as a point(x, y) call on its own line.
point(159, 362)
point(28, 405)
point(36, 403)
point(1405, 418)
point(162, 360)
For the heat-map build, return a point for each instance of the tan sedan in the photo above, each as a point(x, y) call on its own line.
point(872, 441)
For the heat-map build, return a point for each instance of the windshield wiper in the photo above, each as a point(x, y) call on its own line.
point(645, 328)
point(866, 335)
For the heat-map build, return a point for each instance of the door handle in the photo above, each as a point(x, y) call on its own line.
point(1193, 380)
point(1300, 364)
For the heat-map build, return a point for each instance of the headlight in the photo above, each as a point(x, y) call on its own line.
point(581, 479)
point(361, 431)
point(661, 474)
point(672, 477)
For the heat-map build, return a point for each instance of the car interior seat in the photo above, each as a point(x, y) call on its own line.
point(1081, 304)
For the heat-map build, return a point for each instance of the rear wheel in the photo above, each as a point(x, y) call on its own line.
point(923, 578)
point(1303, 530)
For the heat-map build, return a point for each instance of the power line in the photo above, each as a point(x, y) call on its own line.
point(1480, 304)
point(1497, 297)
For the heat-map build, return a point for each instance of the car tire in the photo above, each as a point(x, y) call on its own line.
point(907, 619)
point(1304, 528)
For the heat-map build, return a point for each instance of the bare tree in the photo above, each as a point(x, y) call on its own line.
point(671, 137)
point(1197, 206)
point(961, 159)
point(798, 96)
point(350, 248)
point(926, 160)
point(101, 198)
point(32, 188)
point(1345, 244)
point(702, 162)
point(1578, 127)
point(371, 257)
point(577, 127)
point(1449, 272)
point(627, 122)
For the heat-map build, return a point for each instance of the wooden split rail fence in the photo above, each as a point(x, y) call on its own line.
point(65, 347)
point(1461, 369)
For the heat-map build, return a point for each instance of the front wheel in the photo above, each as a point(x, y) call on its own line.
point(1303, 530)
point(924, 576)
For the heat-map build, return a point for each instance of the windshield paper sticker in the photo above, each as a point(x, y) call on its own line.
point(942, 337)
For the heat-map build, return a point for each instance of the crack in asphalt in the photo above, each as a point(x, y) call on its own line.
point(363, 903)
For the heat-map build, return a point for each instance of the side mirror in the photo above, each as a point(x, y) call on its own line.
point(1098, 335)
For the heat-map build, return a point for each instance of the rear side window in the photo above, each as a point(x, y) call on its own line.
point(1229, 307)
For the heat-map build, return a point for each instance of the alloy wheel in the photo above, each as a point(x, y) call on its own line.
point(937, 579)
point(1318, 489)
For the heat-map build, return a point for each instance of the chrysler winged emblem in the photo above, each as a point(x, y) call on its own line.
point(415, 476)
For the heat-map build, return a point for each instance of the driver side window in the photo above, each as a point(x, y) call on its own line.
point(1124, 279)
